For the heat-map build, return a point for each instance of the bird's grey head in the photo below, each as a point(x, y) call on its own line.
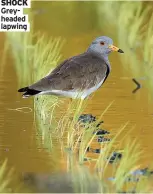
point(103, 45)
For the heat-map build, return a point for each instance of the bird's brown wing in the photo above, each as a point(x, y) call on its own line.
point(79, 72)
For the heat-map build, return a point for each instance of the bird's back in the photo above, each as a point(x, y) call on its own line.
point(78, 72)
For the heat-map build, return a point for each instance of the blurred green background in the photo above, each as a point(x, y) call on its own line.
point(130, 25)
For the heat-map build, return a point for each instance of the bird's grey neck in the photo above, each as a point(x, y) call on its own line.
point(104, 57)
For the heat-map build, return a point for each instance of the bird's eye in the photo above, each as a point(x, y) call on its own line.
point(102, 43)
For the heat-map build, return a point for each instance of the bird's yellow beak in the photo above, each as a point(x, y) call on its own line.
point(114, 48)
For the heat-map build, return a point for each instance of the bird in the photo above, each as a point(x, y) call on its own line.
point(79, 76)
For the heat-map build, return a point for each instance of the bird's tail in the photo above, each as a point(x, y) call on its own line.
point(28, 92)
point(23, 89)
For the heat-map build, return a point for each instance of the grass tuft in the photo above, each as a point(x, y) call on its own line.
point(34, 56)
point(5, 177)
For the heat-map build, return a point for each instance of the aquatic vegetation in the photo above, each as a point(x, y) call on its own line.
point(34, 56)
point(124, 162)
point(74, 132)
point(121, 178)
point(49, 55)
point(78, 134)
point(5, 177)
point(132, 28)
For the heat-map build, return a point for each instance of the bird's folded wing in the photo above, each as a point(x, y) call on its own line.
point(79, 72)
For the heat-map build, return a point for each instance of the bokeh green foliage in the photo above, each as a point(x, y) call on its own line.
point(130, 23)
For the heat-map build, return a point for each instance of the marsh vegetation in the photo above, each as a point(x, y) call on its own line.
point(58, 121)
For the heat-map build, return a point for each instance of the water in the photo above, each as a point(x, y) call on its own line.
point(18, 140)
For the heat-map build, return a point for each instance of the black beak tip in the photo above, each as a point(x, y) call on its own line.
point(120, 51)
